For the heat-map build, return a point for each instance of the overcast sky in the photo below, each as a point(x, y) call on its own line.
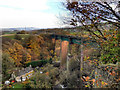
point(29, 13)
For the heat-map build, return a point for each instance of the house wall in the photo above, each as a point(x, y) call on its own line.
point(24, 76)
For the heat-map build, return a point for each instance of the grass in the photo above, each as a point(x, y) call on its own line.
point(9, 32)
point(17, 85)
point(12, 36)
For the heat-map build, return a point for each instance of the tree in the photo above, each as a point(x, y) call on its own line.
point(101, 20)
point(110, 49)
point(90, 14)
point(38, 46)
point(96, 18)
point(17, 37)
point(71, 78)
point(46, 79)
point(34, 46)
point(18, 54)
point(22, 32)
point(7, 65)
point(34, 32)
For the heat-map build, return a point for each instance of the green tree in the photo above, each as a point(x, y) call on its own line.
point(110, 49)
point(71, 78)
point(7, 66)
point(22, 32)
point(17, 37)
point(47, 79)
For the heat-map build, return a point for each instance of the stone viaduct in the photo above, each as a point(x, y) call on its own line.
point(66, 41)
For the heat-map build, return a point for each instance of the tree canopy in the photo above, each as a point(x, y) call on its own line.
point(90, 14)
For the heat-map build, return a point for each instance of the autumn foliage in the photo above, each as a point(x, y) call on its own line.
point(24, 51)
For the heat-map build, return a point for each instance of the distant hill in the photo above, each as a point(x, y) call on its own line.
point(42, 29)
point(19, 29)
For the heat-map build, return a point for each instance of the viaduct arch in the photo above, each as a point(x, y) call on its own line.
point(65, 42)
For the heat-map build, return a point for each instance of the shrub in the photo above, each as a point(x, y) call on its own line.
point(47, 79)
point(70, 78)
point(17, 37)
point(37, 63)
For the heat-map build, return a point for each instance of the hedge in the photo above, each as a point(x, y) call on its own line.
point(37, 63)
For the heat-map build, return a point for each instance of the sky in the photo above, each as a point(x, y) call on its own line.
point(29, 13)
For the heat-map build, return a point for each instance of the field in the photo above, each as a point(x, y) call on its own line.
point(18, 85)
point(12, 36)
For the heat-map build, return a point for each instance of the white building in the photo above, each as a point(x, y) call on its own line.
point(24, 74)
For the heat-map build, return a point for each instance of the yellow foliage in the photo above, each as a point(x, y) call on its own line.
point(51, 51)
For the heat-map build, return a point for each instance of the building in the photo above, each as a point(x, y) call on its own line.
point(24, 74)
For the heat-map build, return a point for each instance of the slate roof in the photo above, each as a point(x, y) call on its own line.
point(26, 70)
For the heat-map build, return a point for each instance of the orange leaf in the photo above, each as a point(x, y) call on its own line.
point(47, 73)
point(87, 78)
point(93, 80)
